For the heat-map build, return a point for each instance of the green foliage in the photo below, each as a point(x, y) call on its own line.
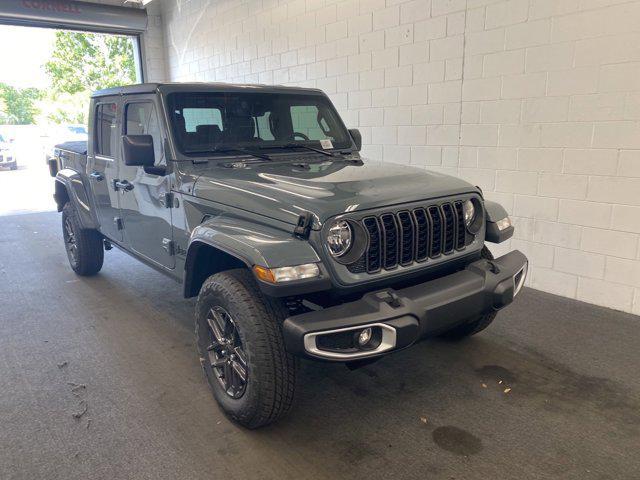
point(84, 62)
point(18, 106)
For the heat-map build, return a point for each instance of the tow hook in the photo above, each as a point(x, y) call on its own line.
point(389, 297)
point(493, 267)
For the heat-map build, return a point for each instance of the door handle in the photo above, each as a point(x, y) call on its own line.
point(97, 176)
point(122, 185)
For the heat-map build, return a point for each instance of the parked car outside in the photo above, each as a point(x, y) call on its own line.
point(61, 134)
point(7, 154)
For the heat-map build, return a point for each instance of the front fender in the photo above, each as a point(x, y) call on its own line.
point(70, 187)
point(496, 212)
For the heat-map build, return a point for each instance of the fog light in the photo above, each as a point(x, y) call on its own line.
point(364, 337)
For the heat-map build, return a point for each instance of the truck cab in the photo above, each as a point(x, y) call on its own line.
point(257, 201)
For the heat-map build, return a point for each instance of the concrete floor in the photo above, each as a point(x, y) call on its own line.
point(573, 411)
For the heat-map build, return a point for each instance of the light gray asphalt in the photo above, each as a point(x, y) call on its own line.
point(437, 410)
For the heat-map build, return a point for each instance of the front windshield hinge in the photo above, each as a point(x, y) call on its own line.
point(303, 228)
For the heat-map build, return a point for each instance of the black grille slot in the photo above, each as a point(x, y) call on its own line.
point(407, 238)
point(435, 216)
point(390, 236)
point(374, 251)
point(422, 234)
point(461, 230)
point(449, 227)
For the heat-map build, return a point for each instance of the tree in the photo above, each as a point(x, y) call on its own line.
point(83, 62)
point(17, 106)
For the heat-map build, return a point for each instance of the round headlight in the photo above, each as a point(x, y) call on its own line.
point(469, 212)
point(339, 238)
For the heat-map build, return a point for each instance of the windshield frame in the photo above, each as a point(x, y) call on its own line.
point(279, 148)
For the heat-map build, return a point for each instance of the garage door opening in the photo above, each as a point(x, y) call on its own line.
point(44, 101)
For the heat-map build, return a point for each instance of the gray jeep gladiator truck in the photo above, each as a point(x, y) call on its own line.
point(256, 199)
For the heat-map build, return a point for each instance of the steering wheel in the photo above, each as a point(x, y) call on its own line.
point(298, 134)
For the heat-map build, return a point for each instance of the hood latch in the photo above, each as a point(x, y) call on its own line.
point(303, 228)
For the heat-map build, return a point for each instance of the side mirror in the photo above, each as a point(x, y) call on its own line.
point(138, 150)
point(357, 138)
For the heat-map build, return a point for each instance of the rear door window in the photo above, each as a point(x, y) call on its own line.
point(106, 129)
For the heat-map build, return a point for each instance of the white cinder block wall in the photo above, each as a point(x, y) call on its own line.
point(536, 101)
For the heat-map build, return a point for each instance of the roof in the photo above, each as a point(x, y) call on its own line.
point(194, 86)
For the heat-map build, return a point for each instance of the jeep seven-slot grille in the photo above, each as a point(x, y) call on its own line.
point(408, 236)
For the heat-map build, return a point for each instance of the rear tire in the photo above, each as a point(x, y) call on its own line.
point(476, 325)
point(84, 246)
point(13, 167)
point(253, 330)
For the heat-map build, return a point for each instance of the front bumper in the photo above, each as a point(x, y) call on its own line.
point(403, 316)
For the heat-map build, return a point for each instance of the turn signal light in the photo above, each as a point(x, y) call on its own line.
point(286, 274)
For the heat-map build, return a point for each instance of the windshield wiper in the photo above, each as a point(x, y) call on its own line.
point(230, 150)
point(297, 145)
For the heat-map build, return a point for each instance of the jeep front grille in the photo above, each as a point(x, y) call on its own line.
point(409, 236)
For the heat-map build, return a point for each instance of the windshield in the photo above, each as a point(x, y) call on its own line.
point(204, 122)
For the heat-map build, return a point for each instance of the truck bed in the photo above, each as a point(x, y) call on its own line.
point(69, 155)
point(75, 147)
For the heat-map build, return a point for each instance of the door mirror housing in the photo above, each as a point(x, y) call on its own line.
point(357, 138)
point(138, 150)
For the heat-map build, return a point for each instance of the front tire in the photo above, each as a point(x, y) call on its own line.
point(475, 325)
point(84, 247)
point(241, 347)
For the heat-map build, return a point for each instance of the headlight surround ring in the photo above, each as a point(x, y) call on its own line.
point(358, 245)
point(473, 215)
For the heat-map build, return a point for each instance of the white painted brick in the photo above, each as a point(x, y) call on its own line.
point(367, 6)
point(414, 11)
point(424, 156)
point(498, 158)
point(338, 66)
point(373, 41)
point(414, 53)
point(453, 69)
point(614, 190)
point(516, 182)
point(289, 59)
point(432, 72)
point(629, 163)
point(372, 152)
point(550, 8)
point(623, 270)
point(481, 89)
point(479, 135)
point(443, 134)
point(485, 42)
point(385, 97)
point(588, 214)
point(385, 58)
point(545, 109)
point(483, 177)
point(398, 77)
point(506, 13)
point(504, 63)
point(473, 65)
point(360, 99)
point(347, 83)
point(413, 95)
point(397, 116)
point(599, 292)
point(386, 18)
point(444, 48)
point(429, 29)
point(500, 111)
point(601, 106)
point(522, 86)
point(609, 242)
point(524, 227)
point(475, 19)
point(400, 35)
point(450, 156)
point(573, 82)
point(631, 107)
point(590, 161)
point(413, 135)
point(384, 135)
point(636, 302)
point(565, 134)
point(527, 34)
point(359, 63)
point(549, 57)
point(427, 114)
point(336, 31)
point(579, 263)
point(626, 218)
point(326, 15)
point(619, 77)
point(443, 7)
point(552, 281)
point(558, 234)
point(540, 159)
point(371, 80)
point(536, 207)
point(360, 24)
point(455, 23)
point(397, 154)
point(468, 157)
point(470, 112)
point(563, 186)
point(617, 135)
point(452, 114)
point(371, 117)
point(609, 49)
